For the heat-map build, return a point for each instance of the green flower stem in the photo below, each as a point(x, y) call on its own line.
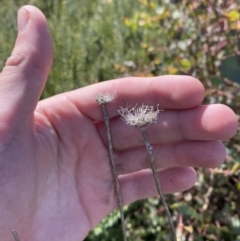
point(156, 178)
point(15, 235)
point(114, 170)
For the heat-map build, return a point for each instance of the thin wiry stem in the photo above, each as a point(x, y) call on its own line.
point(114, 170)
point(15, 235)
point(156, 178)
point(141, 117)
point(103, 99)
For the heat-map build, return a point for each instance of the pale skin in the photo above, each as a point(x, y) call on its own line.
point(55, 177)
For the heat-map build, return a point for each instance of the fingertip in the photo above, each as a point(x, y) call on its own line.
point(221, 120)
point(231, 121)
point(23, 18)
point(218, 154)
point(188, 91)
point(186, 178)
point(27, 12)
point(30, 10)
point(30, 13)
point(200, 93)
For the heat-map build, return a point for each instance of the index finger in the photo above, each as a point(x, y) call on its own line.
point(169, 92)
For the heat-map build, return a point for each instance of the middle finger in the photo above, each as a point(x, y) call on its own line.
point(203, 123)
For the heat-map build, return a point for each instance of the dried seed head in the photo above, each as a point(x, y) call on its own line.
point(139, 117)
point(104, 98)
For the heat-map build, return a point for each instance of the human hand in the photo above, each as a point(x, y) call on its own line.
point(55, 178)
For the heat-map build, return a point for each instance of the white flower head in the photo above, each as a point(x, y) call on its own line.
point(139, 117)
point(104, 98)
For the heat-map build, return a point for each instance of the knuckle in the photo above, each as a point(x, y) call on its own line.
point(17, 57)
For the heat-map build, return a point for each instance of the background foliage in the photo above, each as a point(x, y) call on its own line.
point(97, 40)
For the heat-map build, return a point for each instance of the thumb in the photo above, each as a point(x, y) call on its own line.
point(23, 78)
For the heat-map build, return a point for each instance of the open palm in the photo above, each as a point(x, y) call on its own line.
point(55, 178)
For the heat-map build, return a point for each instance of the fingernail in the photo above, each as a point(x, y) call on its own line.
point(23, 18)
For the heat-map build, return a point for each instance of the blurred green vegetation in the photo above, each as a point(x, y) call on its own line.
point(97, 40)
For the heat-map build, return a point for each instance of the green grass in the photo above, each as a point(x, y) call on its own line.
point(88, 36)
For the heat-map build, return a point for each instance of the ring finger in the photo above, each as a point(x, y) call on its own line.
point(207, 154)
point(203, 123)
